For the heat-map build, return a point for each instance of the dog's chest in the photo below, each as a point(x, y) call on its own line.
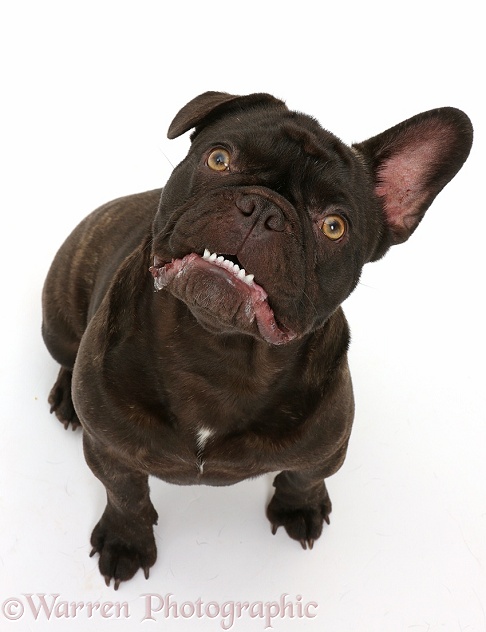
point(225, 403)
point(219, 450)
point(206, 457)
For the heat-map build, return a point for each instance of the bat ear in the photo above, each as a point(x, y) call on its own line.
point(204, 108)
point(411, 163)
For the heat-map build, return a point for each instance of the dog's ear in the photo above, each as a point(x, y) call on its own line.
point(202, 109)
point(411, 163)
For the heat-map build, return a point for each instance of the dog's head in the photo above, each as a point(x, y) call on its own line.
point(265, 226)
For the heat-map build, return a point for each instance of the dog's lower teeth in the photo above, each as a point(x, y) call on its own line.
point(229, 265)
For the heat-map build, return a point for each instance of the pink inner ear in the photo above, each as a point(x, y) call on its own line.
point(403, 178)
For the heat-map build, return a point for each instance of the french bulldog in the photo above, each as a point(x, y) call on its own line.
point(199, 328)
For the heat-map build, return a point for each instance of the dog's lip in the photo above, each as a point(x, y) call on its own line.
point(272, 331)
point(215, 259)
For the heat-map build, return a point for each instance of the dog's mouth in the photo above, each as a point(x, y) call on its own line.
point(217, 288)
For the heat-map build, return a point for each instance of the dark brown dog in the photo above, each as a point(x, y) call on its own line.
point(237, 364)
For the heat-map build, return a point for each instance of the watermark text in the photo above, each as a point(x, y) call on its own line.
point(152, 607)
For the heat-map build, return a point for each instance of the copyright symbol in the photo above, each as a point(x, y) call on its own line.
point(12, 609)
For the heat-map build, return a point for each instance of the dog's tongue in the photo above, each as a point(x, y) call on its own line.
point(251, 297)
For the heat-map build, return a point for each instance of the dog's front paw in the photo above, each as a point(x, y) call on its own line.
point(122, 554)
point(303, 524)
point(61, 401)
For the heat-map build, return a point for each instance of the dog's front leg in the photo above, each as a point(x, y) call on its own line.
point(124, 536)
point(300, 504)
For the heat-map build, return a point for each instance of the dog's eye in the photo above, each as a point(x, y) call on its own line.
point(219, 159)
point(334, 227)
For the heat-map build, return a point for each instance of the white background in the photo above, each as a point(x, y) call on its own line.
point(88, 92)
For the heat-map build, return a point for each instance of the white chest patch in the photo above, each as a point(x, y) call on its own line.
point(202, 436)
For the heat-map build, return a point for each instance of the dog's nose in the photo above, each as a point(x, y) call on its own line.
point(263, 210)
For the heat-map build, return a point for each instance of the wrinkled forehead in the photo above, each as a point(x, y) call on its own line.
point(272, 132)
point(291, 144)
